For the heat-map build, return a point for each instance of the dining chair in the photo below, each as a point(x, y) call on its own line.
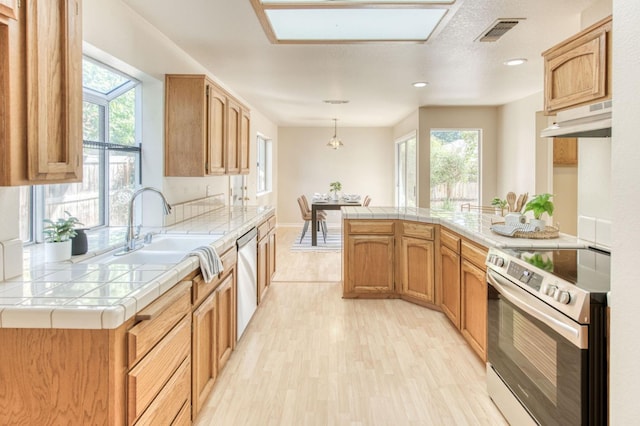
point(366, 201)
point(321, 217)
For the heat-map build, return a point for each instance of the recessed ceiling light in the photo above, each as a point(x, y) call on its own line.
point(420, 84)
point(515, 61)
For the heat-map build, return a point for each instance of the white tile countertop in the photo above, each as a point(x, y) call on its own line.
point(83, 294)
point(472, 225)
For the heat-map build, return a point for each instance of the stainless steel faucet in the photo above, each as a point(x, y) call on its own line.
point(131, 238)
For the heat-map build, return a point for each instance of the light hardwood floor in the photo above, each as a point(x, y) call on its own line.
point(309, 357)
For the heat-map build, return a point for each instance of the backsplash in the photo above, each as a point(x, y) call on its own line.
point(595, 230)
point(190, 209)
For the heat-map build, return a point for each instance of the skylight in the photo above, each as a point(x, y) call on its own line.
point(325, 21)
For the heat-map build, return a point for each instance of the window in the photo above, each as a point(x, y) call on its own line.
point(455, 177)
point(265, 161)
point(111, 154)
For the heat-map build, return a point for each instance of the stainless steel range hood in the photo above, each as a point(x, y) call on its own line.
point(589, 121)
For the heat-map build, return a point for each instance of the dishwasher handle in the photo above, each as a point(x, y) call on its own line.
point(247, 237)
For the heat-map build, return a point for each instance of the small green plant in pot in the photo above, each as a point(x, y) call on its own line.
point(335, 187)
point(499, 203)
point(539, 205)
point(58, 236)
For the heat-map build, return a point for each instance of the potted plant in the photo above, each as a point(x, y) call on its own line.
point(335, 187)
point(539, 205)
point(57, 238)
point(499, 203)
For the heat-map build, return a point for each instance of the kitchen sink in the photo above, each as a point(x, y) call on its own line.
point(164, 249)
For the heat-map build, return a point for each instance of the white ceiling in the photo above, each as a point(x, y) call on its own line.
point(287, 83)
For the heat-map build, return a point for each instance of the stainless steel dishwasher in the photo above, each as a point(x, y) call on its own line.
point(247, 291)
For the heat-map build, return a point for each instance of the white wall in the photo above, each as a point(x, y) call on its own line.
point(485, 118)
point(625, 198)
point(517, 148)
point(306, 165)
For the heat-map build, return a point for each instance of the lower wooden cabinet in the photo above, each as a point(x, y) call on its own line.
point(155, 376)
point(266, 255)
point(214, 331)
point(450, 278)
point(417, 268)
point(263, 258)
point(473, 298)
point(203, 344)
point(226, 321)
point(369, 268)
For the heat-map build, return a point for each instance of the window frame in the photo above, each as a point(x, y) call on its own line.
point(102, 100)
point(480, 133)
point(264, 164)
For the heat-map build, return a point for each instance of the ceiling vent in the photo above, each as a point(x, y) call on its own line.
point(498, 29)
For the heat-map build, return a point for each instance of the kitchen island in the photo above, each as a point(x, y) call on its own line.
point(431, 258)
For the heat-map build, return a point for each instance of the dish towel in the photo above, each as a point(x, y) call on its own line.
point(210, 263)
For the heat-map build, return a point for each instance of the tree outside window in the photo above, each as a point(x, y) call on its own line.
point(454, 168)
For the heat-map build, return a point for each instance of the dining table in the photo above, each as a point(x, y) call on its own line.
point(326, 205)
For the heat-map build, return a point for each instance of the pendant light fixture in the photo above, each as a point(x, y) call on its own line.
point(335, 142)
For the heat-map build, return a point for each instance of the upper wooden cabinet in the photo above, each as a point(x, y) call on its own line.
point(245, 142)
point(41, 93)
point(578, 70)
point(203, 128)
point(9, 9)
point(234, 115)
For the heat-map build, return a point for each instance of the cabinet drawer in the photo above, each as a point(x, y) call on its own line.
point(229, 259)
point(149, 376)
point(370, 227)
point(163, 315)
point(474, 254)
point(184, 416)
point(171, 399)
point(202, 289)
point(450, 240)
point(418, 230)
point(272, 222)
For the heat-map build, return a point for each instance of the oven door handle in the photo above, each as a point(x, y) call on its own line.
point(575, 333)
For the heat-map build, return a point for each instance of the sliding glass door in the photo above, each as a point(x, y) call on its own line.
point(407, 171)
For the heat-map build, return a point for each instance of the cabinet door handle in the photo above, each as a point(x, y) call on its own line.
point(168, 299)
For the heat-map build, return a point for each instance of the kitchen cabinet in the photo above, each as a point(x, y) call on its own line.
point(369, 258)
point(160, 357)
point(205, 369)
point(473, 297)
point(565, 151)
point(416, 261)
point(41, 93)
point(578, 70)
point(8, 9)
point(213, 335)
point(203, 128)
point(234, 126)
point(226, 324)
point(245, 141)
point(450, 275)
point(266, 255)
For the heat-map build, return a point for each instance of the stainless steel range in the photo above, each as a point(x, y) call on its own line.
point(546, 335)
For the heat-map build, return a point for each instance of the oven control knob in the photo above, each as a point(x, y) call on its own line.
point(562, 296)
point(499, 262)
point(550, 290)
